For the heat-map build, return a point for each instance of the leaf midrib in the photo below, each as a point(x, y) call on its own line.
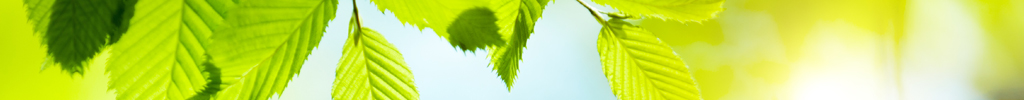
point(183, 23)
point(278, 48)
point(633, 59)
point(378, 55)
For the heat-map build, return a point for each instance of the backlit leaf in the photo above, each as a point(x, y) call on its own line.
point(681, 10)
point(372, 69)
point(517, 18)
point(466, 24)
point(162, 55)
point(639, 66)
point(266, 43)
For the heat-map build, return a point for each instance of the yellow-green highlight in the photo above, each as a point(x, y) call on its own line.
point(21, 73)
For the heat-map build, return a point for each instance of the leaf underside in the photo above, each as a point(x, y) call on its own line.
point(372, 69)
point(265, 44)
point(680, 10)
point(162, 55)
point(641, 67)
point(74, 31)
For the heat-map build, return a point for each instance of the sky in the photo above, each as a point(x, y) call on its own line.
point(560, 62)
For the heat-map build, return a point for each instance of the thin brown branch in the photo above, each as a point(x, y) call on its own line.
point(593, 12)
point(355, 13)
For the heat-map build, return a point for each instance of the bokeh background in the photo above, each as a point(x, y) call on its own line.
point(754, 50)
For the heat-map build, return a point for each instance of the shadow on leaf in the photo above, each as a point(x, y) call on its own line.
point(475, 29)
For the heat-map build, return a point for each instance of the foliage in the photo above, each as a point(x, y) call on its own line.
point(372, 68)
point(518, 17)
point(680, 10)
point(266, 43)
point(171, 37)
point(638, 65)
point(474, 29)
point(76, 30)
point(641, 67)
point(251, 49)
point(439, 15)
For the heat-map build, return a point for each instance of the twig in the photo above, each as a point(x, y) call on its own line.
point(355, 13)
point(594, 12)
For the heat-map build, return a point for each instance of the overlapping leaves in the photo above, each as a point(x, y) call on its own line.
point(266, 43)
point(472, 29)
point(262, 44)
point(162, 55)
point(436, 14)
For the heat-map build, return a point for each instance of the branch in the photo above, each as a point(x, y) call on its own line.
point(355, 13)
point(593, 12)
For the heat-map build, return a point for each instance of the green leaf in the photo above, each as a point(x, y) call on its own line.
point(39, 12)
point(518, 17)
point(681, 10)
point(76, 30)
point(266, 43)
point(124, 12)
point(474, 29)
point(639, 66)
point(162, 55)
point(372, 69)
point(464, 23)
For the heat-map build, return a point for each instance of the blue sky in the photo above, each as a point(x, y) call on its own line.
point(561, 60)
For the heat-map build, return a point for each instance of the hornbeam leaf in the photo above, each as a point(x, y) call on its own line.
point(680, 10)
point(639, 66)
point(517, 18)
point(76, 30)
point(265, 44)
point(372, 69)
point(162, 55)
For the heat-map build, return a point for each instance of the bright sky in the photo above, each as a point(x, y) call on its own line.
point(560, 63)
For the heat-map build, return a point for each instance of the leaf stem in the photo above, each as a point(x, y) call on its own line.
point(355, 13)
point(593, 12)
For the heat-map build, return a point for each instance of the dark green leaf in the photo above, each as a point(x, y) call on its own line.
point(474, 29)
point(76, 30)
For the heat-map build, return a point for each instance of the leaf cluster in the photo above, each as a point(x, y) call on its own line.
point(251, 49)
